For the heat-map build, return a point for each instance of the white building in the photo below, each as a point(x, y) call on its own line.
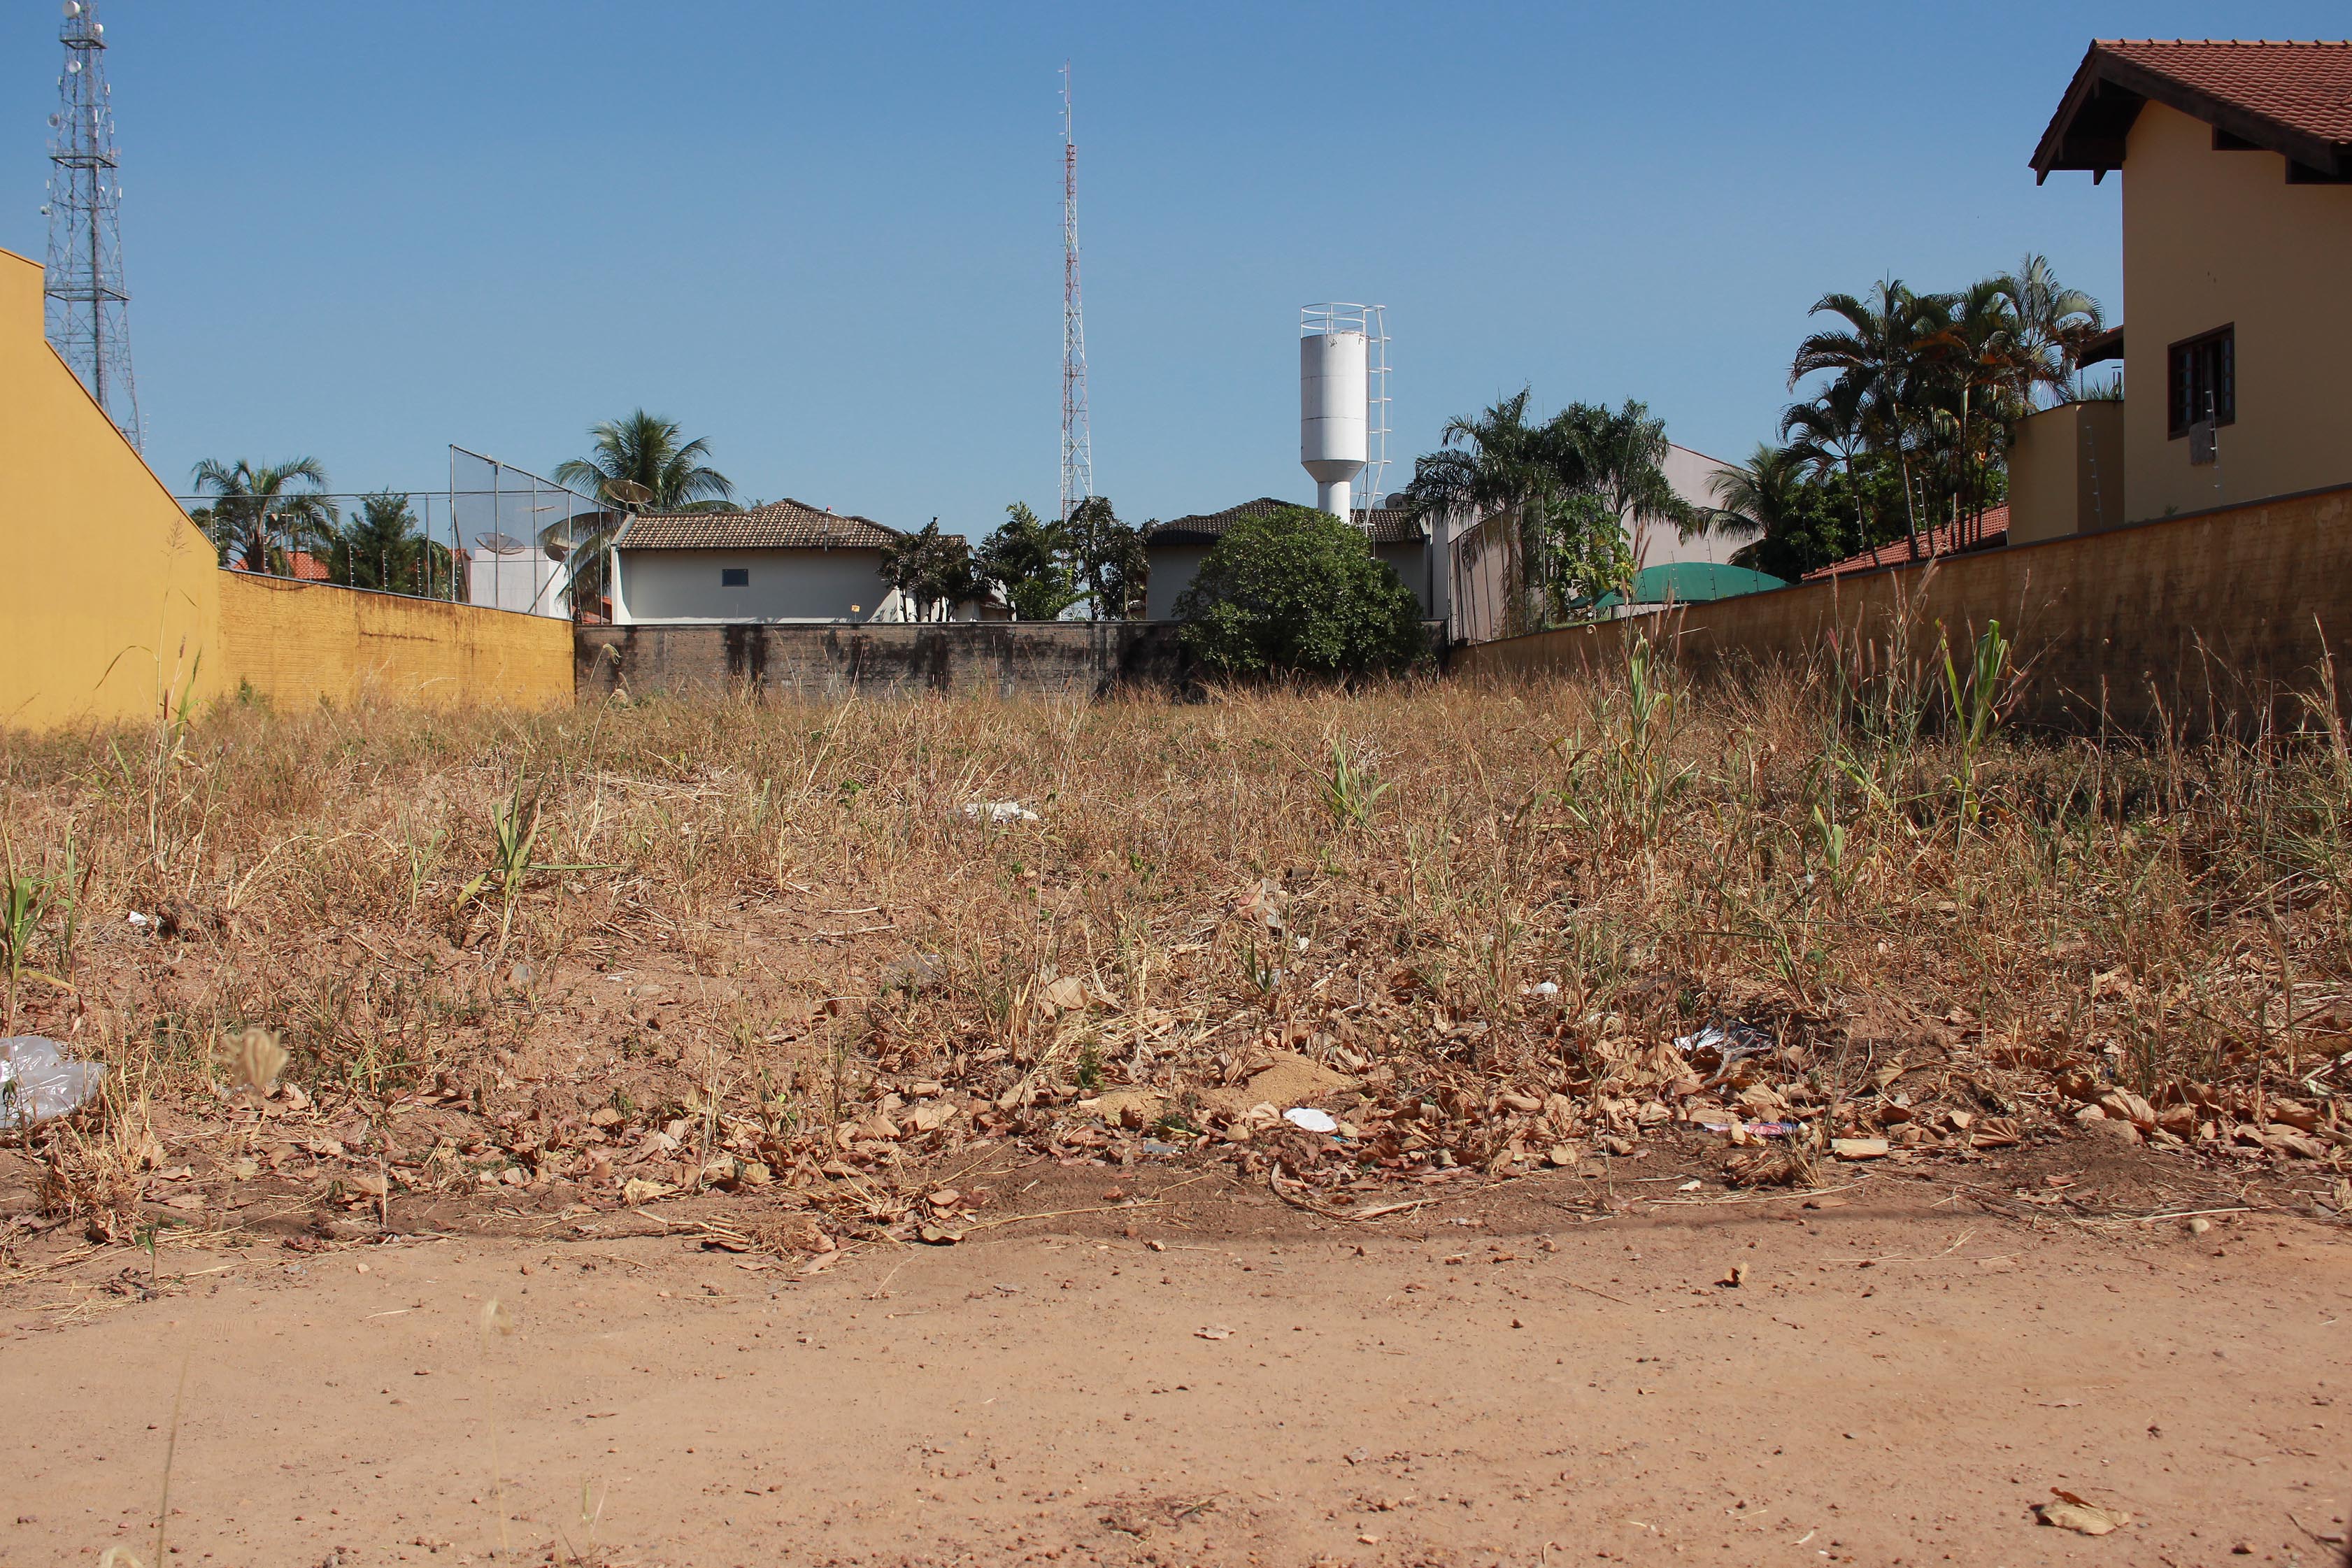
point(780, 563)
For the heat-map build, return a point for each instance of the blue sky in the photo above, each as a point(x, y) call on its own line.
point(828, 237)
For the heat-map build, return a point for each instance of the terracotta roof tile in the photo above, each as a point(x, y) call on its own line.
point(1981, 534)
point(779, 525)
point(1385, 525)
point(2290, 97)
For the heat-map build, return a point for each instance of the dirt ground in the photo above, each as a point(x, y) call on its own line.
point(1194, 1373)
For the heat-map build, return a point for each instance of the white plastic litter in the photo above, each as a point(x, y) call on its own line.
point(137, 919)
point(997, 811)
point(1307, 1118)
point(38, 1082)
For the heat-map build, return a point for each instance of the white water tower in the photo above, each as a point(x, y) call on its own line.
point(1342, 401)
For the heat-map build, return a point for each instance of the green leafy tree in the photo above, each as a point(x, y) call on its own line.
point(1108, 560)
point(259, 513)
point(1027, 560)
point(1298, 591)
point(382, 547)
point(932, 571)
point(643, 464)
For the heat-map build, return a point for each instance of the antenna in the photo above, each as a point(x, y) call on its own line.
point(1078, 436)
point(86, 298)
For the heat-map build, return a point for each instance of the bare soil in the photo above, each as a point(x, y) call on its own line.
point(1187, 1371)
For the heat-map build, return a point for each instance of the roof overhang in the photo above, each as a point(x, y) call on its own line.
point(2095, 118)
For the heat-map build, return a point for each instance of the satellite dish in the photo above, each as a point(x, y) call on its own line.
point(628, 493)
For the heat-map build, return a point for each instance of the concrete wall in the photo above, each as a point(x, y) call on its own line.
point(108, 605)
point(1173, 567)
point(2066, 471)
point(2213, 239)
point(652, 587)
point(2216, 618)
point(300, 643)
point(1002, 658)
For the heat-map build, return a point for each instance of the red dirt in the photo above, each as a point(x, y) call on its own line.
point(1496, 1378)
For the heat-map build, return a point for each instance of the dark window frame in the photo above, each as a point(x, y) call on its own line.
point(734, 576)
point(2221, 343)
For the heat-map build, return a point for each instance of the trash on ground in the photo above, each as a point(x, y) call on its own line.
point(1307, 1118)
point(137, 919)
point(997, 811)
point(38, 1082)
point(1214, 1332)
point(1756, 1129)
point(910, 971)
point(2071, 1513)
point(1858, 1148)
point(1730, 1043)
point(1546, 988)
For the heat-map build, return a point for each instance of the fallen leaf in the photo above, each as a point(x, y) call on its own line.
point(1858, 1148)
point(2071, 1513)
point(937, 1236)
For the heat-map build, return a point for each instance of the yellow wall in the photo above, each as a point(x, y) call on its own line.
point(2214, 238)
point(304, 642)
point(107, 592)
point(2066, 471)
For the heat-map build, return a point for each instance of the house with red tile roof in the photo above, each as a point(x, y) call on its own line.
point(1986, 530)
point(2236, 163)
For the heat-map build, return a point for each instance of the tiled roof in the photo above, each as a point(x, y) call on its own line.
point(1974, 533)
point(2294, 97)
point(1384, 525)
point(779, 525)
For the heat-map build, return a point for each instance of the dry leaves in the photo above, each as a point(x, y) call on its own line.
point(2072, 1513)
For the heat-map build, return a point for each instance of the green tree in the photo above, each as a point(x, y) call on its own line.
point(1298, 591)
point(382, 547)
point(1108, 559)
point(642, 464)
point(931, 570)
point(1028, 561)
point(1879, 361)
point(260, 513)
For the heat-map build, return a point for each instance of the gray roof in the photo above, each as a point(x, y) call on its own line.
point(779, 525)
point(1385, 525)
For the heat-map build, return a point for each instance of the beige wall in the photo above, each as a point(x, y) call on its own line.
point(108, 605)
point(2193, 621)
point(1173, 567)
point(2216, 238)
point(2066, 471)
point(656, 585)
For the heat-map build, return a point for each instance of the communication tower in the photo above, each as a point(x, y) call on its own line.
point(1077, 437)
point(87, 303)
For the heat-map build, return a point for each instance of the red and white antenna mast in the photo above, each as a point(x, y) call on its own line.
point(1077, 437)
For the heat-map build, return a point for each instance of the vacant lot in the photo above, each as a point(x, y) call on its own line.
point(761, 998)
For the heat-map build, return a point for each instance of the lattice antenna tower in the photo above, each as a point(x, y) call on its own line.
point(1078, 436)
point(86, 304)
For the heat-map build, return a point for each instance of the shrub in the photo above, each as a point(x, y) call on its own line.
point(1299, 591)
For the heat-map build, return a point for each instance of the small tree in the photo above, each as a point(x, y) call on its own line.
point(930, 569)
point(1109, 559)
point(1027, 560)
point(258, 512)
point(1297, 590)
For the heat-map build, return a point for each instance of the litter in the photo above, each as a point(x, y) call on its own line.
point(1307, 1118)
point(38, 1082)
point(1754, 1129)
point(1858, 1148)
point(137, 919)
point(1546, 988)
point(997, 811)
point(1731, 1043)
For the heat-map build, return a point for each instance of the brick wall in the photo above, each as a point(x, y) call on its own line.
point(2216, 618)
point(1005, 658)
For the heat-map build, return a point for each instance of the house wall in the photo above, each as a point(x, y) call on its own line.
point(300, 643)
point(2066, 471)
point(1173, 567)
point(2212, 239)
point(1692, 475)
point(109, 607)
point(2215, 620)
point(652, 587)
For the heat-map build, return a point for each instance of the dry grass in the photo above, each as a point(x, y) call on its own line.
point(744, 941)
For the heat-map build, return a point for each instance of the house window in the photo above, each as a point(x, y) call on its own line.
point(2201, 381)
point(734, 576)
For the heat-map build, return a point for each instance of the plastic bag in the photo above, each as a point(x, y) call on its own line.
point(38, 1082)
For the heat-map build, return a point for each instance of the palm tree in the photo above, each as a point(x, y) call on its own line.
point(1497, 462)
point(2053, 324)
point(1986, 376)
point(1759, 500)
point(1107, 554)
point(1622, 454)
point(1879, 361)
point(258, 512)
point(640, 464)
point(1027, 559)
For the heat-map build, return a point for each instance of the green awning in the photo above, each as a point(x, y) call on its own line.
point(1692, 582)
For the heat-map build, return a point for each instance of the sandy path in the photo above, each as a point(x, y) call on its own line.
point(1001, 1401)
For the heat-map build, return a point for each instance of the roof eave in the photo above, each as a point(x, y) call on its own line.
point(2132, 84)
